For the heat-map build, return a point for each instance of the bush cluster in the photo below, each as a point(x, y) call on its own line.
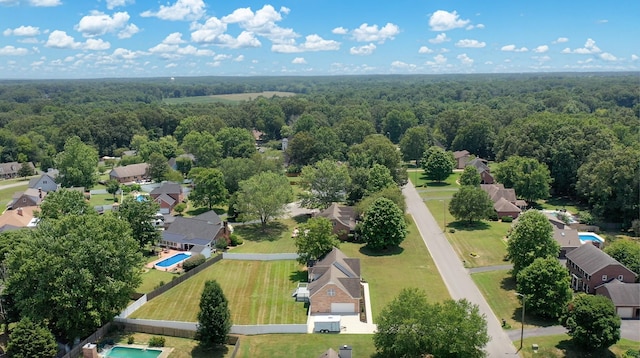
point(506, 219)
point(156, 341)
point(193, 262)
point(235, 240)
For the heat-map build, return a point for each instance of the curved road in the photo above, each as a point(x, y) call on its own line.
point(455, 276)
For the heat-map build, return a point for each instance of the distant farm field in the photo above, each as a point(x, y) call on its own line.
point(228, 98)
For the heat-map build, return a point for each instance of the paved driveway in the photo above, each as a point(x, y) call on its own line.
point(454, 274)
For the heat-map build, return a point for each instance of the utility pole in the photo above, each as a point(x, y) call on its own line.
point(522, 319)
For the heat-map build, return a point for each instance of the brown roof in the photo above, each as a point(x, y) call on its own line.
point(460, 154)
point(131, 170)
point(346, 215)
point(591, 259)
point(503, 205)
point(566, 237)
point(338, 269)
point(497, 191)
point(623, 294)
point(13, 217)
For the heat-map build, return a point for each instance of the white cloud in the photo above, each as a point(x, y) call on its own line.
point(399, 65)
point(181, 10)
point(440, 38)
point(513, 48)
point(171, 65)
point(99, 23)
point(262, 22)
point(222, 57)
point(22, 31)
point(560, 40)
point(214, 64)
point(603, 21)
point(173, 39)
point(470, 43)
point(589, 48)
point(541, 49)
point(312, 43)
point(37, 63)
point(438, 60)
point(128, 31)
point(465, 60)
point(96, 45)
point(125, 54)
point(340, 31)
point(193, 51)
point(608, 57)
point(542, 58)
point(363, 50)
point(299, 61)
point(209, 31)
point(45, 3)
point(442, 20)
point(245, 39)
point(111, 4)
point(240, 58)
point(424, 49)
point(366, 33)
point(13, 51)
point(60, 39)
point(634, 57)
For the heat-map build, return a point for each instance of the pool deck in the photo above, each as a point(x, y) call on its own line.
point(166, 351)
point(161, 256)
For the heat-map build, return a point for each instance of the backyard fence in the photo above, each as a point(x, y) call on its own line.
point(268, 329)
point(133, 307)
point(188, 329)
point(77, 350)
point(179, 279)
point(260, 257)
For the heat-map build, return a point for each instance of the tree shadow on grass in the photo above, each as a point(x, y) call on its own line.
point(466, 226)
point(571, 351)
point(298, 276)
point(436, 184)
point(198, 211)
point(392, 251)
point(215, 352)
point(255, 232)
point(509, 284)
point(302, 218)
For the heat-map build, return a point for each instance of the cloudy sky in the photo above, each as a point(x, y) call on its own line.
point(143, 38)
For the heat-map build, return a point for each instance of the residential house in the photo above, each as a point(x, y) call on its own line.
point(167, 195)
point(461, 157)
point(10, 170)
point(625, 297)
point(29, 197)
point(483, 169)
point(335, 284)
point(19, 218)
point(130, 173)
point(564, 235)
point(504, 200)
point(343, 218)
point(205, 230)
point(343, 352)
point(46, 182)
point(591, 267)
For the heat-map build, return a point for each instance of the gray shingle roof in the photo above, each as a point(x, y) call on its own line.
point(591, 259)
point(204, 226)
point(346, 215)
point(623, 294)
point(131, 170)
point(167, 188)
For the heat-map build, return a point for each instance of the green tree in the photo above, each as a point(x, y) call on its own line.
point(377, 149)
point(112, 187)
point(263, 196)
point(410, 326)
point(396, 122)
point(214, 318)
point(546, 286)
point(140, 216)
point(323, 183)
point(184, 164)
point(471, 204)
point(530, 178)
point(383, 225)
point(180, 208)
point(315, 239)
point(414, 142)
point(477, 137)
point(64, 202)
point(627, 252)
point(31, 340)
point(25, 170)
point(158, 167)
point(209, 188)
point(201, 123)
point(236, 170)
point(236, 142)
point(530, 238)
point(76, 273)
point(379, 178)
point(204, 147)
point(393, 193)
point(470, 177)
point(592, 322)
point(77, 164)
point(437, 164)
point(353, 131)
point(301, 148)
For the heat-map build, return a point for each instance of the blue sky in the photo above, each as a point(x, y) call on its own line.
point(145, 38)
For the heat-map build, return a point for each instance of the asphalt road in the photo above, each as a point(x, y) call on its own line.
point(455, 276)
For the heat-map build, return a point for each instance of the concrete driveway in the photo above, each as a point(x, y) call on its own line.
point(350, 323)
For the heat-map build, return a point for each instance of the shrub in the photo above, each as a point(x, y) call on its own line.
point(193, 262)
point(156, 342)
point(160, 284)
point(130, 340)
point(494, 216)
point(221, 244)
point(632, 353)
point(506, 219)
point(452, 230)
point(235, 240)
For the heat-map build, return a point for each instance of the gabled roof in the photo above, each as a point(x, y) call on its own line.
point(166, 198)
point(167, 188)
point(623, 294)
point(497, 191)
point(13, 167)
point(21, 217)
point(503, 205)
point(338, 269)
point(478, 164)
point(591, 259)
point(566, 237)
point(204, 226)
point(460, 154)
point(34, 181)
point(346, 215)
point(131, 170)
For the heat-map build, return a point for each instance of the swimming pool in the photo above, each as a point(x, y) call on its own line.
point(170, 261)
point(592, 237)
point(131, 352)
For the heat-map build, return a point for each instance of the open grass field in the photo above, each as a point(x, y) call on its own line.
point(258, 293)
point(152, 279)
point(499, 289)
point(275, 239)
point(228, 98)
point(560, 346)
point(303, 345)
point(182, 347)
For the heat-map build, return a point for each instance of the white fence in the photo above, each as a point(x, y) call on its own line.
point(259, 257)
point(235, 329)
point(133, 307)
point(188, 326)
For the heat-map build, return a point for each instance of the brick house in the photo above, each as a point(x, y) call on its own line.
point(335, 285)
point(504, 200)
point(591, 267)
point(483, 169)
point(29, 197)
point(130, 173)
point(625, 296)
point(167, 195)
point(343, 218)
point(461, 157)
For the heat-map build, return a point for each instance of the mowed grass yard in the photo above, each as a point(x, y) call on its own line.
point(303, 345)
point(560, 346)
point(275, 239)
point(259, 292)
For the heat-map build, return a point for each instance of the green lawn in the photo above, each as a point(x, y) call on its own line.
point(420, 182)
point(559, 346)
point(182, 347)
point(498, 288)
point(560, 203)
point(303, 345)
point(7, 194)
point(258, 293)
point(152, 278)
point(275, 239)
point(101, 199)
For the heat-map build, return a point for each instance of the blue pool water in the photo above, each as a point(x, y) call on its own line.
point(173, 260)
point(590, 237)
point(130, 352)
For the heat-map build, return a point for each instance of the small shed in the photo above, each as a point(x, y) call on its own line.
point(301, 293)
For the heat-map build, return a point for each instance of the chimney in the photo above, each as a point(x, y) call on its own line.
point(345, 352)
point(40, 193)
point(19, 211)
